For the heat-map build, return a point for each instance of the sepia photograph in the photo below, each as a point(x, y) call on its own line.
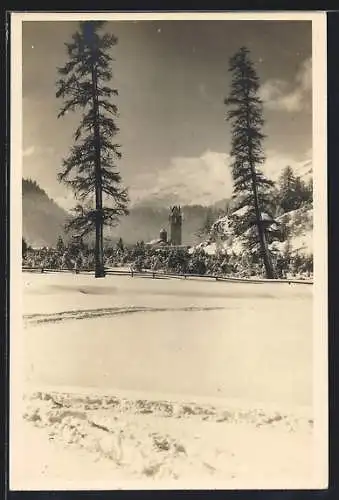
point(168, 318)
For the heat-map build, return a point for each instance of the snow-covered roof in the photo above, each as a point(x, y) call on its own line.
point(158, 241)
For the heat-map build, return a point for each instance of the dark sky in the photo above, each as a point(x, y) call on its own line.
point(172, 77)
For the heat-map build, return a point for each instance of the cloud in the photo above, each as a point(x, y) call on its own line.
point(205, 179)
point(280, 95)
point(38, 151)
point(28, 151)
point(67, 202)
point(201, 180)
point(276, 162)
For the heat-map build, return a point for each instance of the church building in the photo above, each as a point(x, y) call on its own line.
point(175, 223)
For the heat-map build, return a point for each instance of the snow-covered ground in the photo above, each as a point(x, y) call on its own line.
point(299, 223)
point(135, 382)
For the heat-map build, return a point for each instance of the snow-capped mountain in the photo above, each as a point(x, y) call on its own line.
point(304, 170)
point(204, 180)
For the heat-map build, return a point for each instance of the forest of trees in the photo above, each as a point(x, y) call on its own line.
point(31, 186)
point(177, 260)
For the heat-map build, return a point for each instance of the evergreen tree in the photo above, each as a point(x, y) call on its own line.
point(90, 169)
point(120, 245)
point(309, 188)
point(286, 189)
point(251, 188)
point(303, 192)
point(293, 191)
point(60, 245)
point(24, 248)
point(139, 250)
point(197, 264)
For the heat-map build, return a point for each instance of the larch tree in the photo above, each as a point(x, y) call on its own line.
point(287, 187)
point(90, 168)
point(60, 244)
point(251, 189)
point(120, 245)
point(24, 247)
point(293, 191)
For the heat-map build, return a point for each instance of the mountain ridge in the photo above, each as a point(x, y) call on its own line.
point(44, 219)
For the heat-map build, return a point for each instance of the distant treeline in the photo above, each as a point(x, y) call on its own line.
point(179, 260)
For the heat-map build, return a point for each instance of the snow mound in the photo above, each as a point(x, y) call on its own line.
point(222, 226)
point(163, 440)
point(299, 225)
point(301, 244)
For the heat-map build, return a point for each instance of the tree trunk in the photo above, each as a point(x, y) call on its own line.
point(261, 232)
point(99, 257)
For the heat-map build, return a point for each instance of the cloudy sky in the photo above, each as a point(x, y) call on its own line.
point(172, 78)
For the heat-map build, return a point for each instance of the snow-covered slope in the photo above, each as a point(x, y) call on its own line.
point(298, 224)
point(304, 170)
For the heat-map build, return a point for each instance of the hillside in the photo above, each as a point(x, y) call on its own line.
point(145, 222)
point(42, 219)
point(297, 225)
point(291, 227)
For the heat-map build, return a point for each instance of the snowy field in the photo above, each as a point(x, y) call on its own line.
point(135, 382)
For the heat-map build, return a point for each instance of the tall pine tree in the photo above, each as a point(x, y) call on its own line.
point(90, 168)
point(251, 188)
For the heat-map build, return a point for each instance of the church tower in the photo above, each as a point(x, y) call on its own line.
point(175, 218)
